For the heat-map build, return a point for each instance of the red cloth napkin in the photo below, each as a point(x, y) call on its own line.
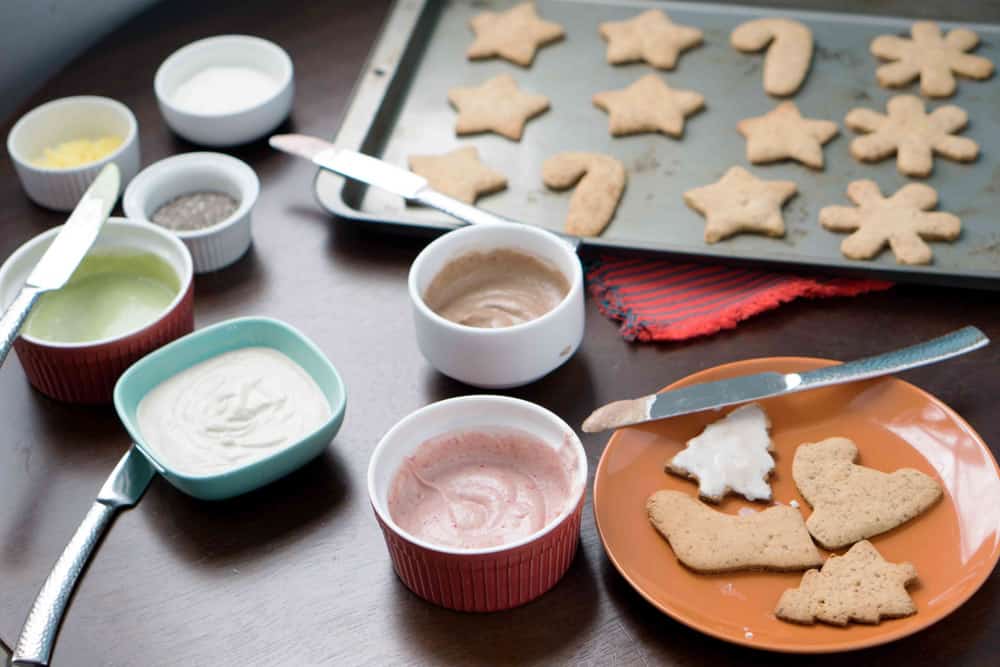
point(658, 299)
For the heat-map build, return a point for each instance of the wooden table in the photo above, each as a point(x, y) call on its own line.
point(297, 573)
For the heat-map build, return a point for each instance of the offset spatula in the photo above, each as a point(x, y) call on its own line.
point(65, 253)
point(386, 176)
point(709, 395)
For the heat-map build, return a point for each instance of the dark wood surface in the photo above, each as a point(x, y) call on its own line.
point(297, 573)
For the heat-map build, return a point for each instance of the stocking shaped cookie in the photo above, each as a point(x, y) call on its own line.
point(851, 502)
point(911, 134)
point(707, 540)
point(858, 586)
point(599, 180)
point(933, 57)
point(732, 454)
point(903, 222)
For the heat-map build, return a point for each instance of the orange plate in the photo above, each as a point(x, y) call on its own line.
point(954, 545)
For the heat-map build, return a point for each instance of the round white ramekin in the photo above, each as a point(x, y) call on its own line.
point(488, 579)
point(504, 357)
point(86, 372)
point(238, 127)
point(66, 119)
point(214, 247)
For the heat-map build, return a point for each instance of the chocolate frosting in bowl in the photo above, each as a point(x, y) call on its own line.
point(494, 289)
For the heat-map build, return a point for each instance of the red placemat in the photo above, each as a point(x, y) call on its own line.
point(657, 299)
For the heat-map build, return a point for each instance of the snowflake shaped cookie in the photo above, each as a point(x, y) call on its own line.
point(912, 134)
point(903, 222)
point(934, 57)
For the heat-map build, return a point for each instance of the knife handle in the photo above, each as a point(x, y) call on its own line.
point(34, 645)
point(473, 215)
point(13, 318)
point(944, 347)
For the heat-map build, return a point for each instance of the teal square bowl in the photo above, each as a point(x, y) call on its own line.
point(209, 342)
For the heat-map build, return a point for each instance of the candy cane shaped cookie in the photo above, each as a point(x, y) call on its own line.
point(788, 56)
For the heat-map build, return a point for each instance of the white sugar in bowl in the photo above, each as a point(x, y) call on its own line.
point(225, 90)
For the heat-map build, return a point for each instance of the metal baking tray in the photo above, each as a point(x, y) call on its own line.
point(400, 108)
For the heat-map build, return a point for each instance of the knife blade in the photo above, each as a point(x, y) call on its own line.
point(386, 176)
point(352, 164)
point(713, 395)
point(123, 488)
point(64, 254)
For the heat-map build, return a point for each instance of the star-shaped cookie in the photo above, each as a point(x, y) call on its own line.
point(903, 222)
point(741, 202)
point(497, 105)
point(858, 586)
point(933, 57)
point(458, 174)
point(651, 36)
point(783, 133)
point(648, 105)
point(912, 134)
point(514, 35)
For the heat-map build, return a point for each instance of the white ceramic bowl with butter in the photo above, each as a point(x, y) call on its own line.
point(504, 357)
point(67, 119)
point(237, 127)
point(215, 247)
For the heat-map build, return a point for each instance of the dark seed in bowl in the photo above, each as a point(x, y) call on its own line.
point(196, 210)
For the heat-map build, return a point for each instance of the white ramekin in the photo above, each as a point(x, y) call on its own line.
point(86, 372)
point(494, 578)
point(226, 129)
point(214, 247)
point(504, 357)
point(66, 119)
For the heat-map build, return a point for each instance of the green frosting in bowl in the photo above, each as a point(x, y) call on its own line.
point(110, 294)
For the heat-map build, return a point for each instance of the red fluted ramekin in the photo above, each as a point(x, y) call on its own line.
point(87, 372)
point(490, 579)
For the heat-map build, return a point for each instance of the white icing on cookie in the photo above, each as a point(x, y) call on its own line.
point(732, 454)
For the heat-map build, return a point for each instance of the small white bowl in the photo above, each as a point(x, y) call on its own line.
point(214, 247)
point(238, 127)
point(504, 357)
point(66, 119)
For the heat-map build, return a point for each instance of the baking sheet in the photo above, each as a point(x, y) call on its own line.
point(400, 108)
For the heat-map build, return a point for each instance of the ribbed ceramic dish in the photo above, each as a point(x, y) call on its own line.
point(67, 119)
point(489, 579)
point(87, 372)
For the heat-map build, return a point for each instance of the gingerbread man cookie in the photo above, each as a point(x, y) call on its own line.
point(903, 222)
point(912, 134)
point(933, 57)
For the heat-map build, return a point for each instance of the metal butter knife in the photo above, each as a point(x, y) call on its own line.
point(123, 489)
point(711, 395)
point(396, 180)
point(64, 254)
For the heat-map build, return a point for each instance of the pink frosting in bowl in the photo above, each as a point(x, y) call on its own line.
point(481, 488)
point(479, 499)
